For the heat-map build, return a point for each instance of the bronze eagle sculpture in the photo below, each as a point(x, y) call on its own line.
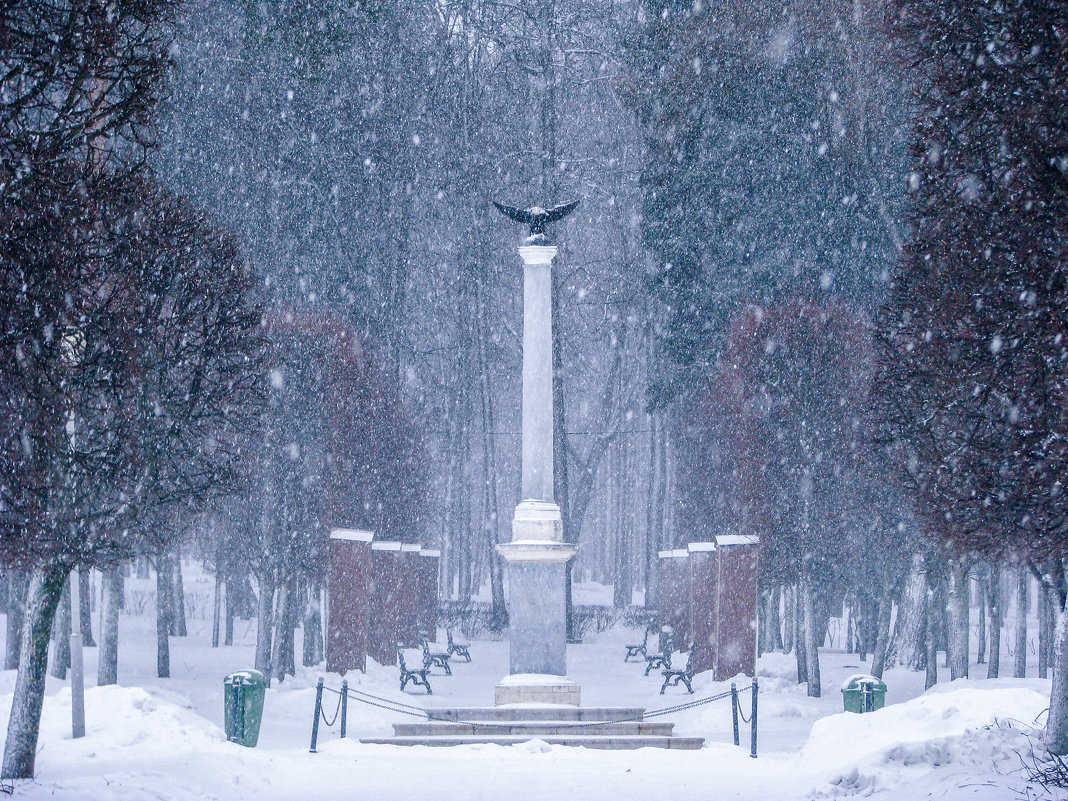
point(537, 217)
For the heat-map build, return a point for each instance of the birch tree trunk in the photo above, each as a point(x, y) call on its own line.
point(1019, 666)
point(164, 596)
point(882, 638)
point(788, 610)
point(110, 600)
point(228, 617)
point(45, 588)
point(491, 507)
point(994, 621)
point(912, 618)
point(931, 639)
point(981, 628)
point(178, 625)
point(812, 662)
point(313, 628)
point(957, 608)
point(1056, 736)
point(264, 622)
point(61, 636)
point(85, 608)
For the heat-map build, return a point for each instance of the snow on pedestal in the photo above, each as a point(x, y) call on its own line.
point(537, 554)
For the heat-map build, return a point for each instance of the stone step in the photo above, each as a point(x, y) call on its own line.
point(612, 743)
point(533, 728)
point(532, 713)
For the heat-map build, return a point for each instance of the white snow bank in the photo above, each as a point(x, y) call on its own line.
point(969, 727)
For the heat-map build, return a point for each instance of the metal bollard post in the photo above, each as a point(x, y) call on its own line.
point(318, 713)
point(753, 724)
point(734, 710)
point(344, 706)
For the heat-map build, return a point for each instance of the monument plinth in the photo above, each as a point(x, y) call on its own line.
point(537, 554)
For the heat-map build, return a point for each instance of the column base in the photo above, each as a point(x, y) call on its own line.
point(536, 688)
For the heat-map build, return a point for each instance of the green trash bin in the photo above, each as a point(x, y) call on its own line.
point(863, 693)
point(243, 694)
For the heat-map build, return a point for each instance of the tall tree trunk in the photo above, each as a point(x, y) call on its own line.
point(1019, 666)
point(799, 635)
point(228, 618)
point(164, 596)
point(911, 637)
point(85, 608)
point(61, 636)
point(216, 608)
point(882, 638)
point(264, 622)
point(790, 627)
point(178, 623)
point(313, 628)
point(18, 582)
point(957, 608)
point(491, 507)
point(283, 655)
point(652, 540)
point(931, 638)
point(622, 590)
point(1043, 634)
point(812, 656)
point(984, 595)
point(45, 588)
point(1056, 736)
point(995, 617)
point(111, 587)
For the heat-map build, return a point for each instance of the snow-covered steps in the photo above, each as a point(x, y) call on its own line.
point(532, 728)
point(606, 742)
point(588, 727)
point(555, 712)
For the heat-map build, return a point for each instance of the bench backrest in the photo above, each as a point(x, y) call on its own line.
point(667, 640)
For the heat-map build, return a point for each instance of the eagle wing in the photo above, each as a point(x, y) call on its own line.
point(561, 211)
point(519, 215)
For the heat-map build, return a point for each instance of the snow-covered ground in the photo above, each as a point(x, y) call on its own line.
point(162, 738)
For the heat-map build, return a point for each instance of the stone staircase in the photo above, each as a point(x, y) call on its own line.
point(611, 729)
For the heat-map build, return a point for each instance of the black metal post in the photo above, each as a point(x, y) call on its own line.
point(318, 713)
point(344, 706)
point(734, 710)
point(753, 723)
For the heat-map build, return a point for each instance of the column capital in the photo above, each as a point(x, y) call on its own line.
point(537, 254)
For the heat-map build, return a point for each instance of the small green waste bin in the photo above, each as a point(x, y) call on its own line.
point(243, 694)
point(863, 693)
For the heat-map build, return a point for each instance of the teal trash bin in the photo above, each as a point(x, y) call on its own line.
point(243, 694)
point(863, 693)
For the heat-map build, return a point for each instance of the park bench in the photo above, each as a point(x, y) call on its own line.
point(662, 659)
point(458, 648)
point(673, 677)
point(416, 677)
point(641, 649)
point(440, 659)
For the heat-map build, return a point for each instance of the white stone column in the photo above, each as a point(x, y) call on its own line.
point(537, 372)
point(537, 552)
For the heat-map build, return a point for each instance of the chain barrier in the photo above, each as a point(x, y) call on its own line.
point(400, 707)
